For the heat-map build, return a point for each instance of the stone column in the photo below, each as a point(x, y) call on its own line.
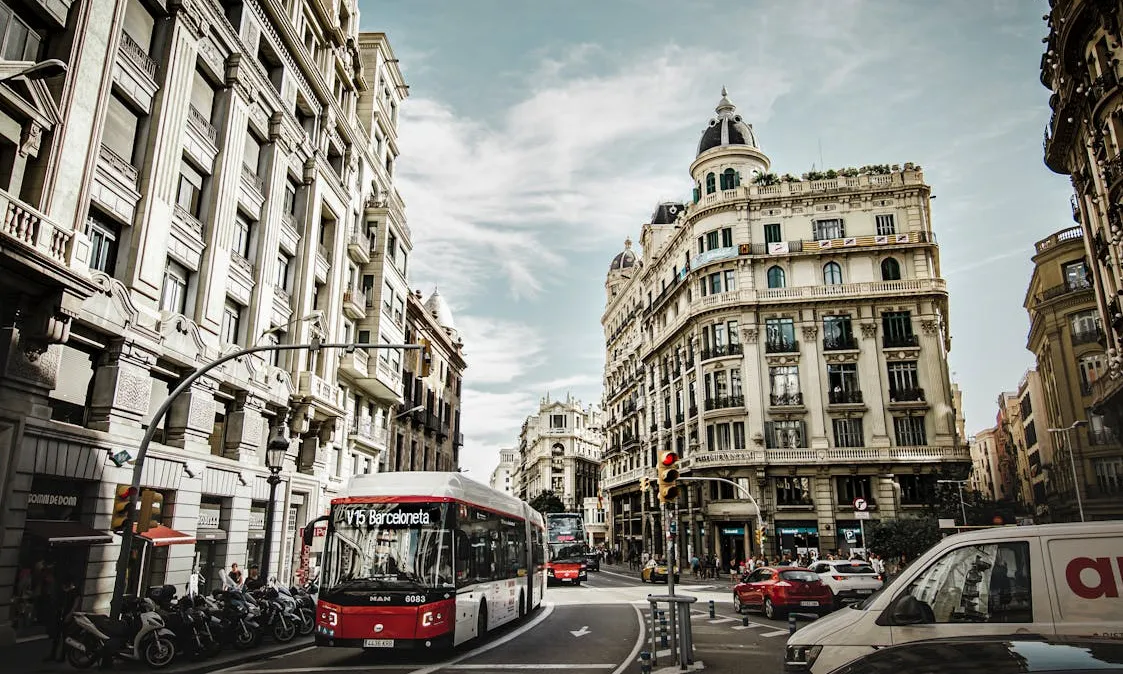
point(122, 392)
point(873, 381)
point(751, 388)
point(244, 429)
point(933, 375)
point(822, 486)
point(185, 518)
point(191, 418)
point(812, 386)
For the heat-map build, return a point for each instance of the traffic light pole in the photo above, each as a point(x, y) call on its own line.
point(127, 533)
point(664, 513)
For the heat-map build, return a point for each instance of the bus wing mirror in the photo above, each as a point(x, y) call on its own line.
point(310, 530)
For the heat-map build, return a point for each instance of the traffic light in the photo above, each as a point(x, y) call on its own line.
point(758, 538)
point(151, 507)
point(644, 484)
point(122, 500)
point(668, 477)
point(424, 357)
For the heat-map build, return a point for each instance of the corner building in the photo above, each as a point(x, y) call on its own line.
point(204, 176)
point(790, 335)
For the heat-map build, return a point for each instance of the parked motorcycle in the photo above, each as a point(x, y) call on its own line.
point(140, 634)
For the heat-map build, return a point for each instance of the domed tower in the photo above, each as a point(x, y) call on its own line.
point(727, 153)
point(620, 270)
point(438, 308)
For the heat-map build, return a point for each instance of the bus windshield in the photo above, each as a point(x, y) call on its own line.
point(567, 553)
point(565, 528)
point(375, 546)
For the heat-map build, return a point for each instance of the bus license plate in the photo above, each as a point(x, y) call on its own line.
point(808, 603)
point(378, 643)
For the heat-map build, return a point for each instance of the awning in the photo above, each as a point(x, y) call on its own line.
point(162, 535)
point(58, 532)
point(210, 535)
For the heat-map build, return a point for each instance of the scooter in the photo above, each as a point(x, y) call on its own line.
point(139, 635)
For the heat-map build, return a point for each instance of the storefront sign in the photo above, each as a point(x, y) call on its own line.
point(65, 500)
point(796, 531)
point(54, 498)
point(724, 458)
point(209, 516)
point(257, 519)
point(733, 531)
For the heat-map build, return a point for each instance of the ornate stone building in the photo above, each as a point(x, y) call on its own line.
point(200, 176)
point(560, 451)
point(788, 335)
point(501, 476)
point(427, 431)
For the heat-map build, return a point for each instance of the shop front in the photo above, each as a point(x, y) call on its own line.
point(210, 545)
point(850, 540)
point(798, 538)
point(731, 543)
point(255, 545)
point(55, 546)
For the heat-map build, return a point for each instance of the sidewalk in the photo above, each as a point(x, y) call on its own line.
point(27, 658)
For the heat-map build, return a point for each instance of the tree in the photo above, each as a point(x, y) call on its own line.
point(906, 537)
point(547, 502)
point(981, 511)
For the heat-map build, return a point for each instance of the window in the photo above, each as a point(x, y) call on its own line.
point(290, 198)
point(715, 283)
point(1076, 275)
point(897, 328)
point(399, 309)
point(364, 337)
point(910, 431)
point(202, 96)
point(727, 237)
point(1091, 369)
point(18, 40)
point(827, 229)
point(890, 269)
point(712, 239)
point(779, 334)
point(730, 278)
point(251, 158)
point(102, 233)
point(1085, 323)
point(388, 299)
point(718, 438)
point(711, 183)
point(730, 179)
point(885, 224)
point(917, 489)
point(832, 274)
point(242, 230)
point(842, 384)
point(231, 322)
point(987, 583)
point(120, 132)
point(557, 421)
point(902, 378)
point(284, 263)
point(391, 246)
point(173, 295)
point(783, 434)
point(837, 333)
point(784, 384)
point(793, 491)
point(1109, 475)
point(775, 277)
point(848, 433)
point(190, 190)
point(772, 233)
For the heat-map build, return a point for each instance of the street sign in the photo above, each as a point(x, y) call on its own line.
point(674, 527)
point(861, 515)
point(860, 504)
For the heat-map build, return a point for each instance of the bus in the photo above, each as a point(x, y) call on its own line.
point(565, 537)
point(425, 560)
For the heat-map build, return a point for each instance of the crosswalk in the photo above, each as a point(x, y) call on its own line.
point(741, 624)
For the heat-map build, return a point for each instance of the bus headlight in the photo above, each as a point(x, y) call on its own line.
point(802, 655)
point(329, 617)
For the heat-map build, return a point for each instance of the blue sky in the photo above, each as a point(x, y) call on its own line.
point(538, 135)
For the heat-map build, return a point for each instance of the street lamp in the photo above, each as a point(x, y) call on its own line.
point(1072, 460)
point(411, 410)
point(962, 507)
point(275, 452)
point(42, 70)
point(312, 316)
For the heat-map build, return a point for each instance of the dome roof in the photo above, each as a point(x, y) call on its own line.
point(437, 306)
point(666, 213)
point(625, 260)
point(727, 128)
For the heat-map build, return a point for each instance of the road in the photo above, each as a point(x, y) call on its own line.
point(593, 629)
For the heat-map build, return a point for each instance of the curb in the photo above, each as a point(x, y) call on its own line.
point(216, 665)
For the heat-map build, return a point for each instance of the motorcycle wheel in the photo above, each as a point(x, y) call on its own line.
point(82, 659)
point(158, 652)
point(284, 631)
point(211, 647)
point(244, 638)
point(307, 622)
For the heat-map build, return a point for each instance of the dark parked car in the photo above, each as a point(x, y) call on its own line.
point(993, 655)
point(592, 561)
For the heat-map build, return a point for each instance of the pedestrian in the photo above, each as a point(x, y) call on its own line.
point(254, 581)
point(235, 574)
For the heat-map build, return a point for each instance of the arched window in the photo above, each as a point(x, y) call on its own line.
point(711, 183)
point(890, 269)
point(728, 179)
point(832, 274)
point(775, 277)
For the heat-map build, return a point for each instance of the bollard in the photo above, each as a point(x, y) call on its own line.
point(645, 662)
point(791, 623)
point(663, 629)
point(744, 621)
point(712, 614)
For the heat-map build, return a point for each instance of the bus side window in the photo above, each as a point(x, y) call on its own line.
point(463, 557)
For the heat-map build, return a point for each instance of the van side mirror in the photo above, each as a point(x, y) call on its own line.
point(908, 610)
point(310, 530)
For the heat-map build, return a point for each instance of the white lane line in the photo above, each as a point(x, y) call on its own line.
point(774, 634)
point(620, 575)
point(641, 639)
point(746, 627)
point(721, 620)
point(285, 655)
point(300, 670)
point(547, 610)
point(566, 665)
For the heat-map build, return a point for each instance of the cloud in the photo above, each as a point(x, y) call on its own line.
point(499, 351)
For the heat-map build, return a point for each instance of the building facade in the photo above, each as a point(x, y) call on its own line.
point(788, 335)
point(984, 478)
point(1067, 338)
point(228, 182)
point(503, 473)
point(1084, 140)
point(426, 433)
point(560, 451)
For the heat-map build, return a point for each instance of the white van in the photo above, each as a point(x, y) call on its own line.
point(1064, 579)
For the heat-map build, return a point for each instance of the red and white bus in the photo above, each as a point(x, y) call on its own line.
point(565, 538)
point(426, 560)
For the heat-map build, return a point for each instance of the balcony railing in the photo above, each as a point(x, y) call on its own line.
point(896, 341)
point(1086, 337)
point(666, 423)
point(359, 238)
point(725, 402)
point(781, 346)
point(138, 55)
point(693, 410)
point(679, 418)
point(906, 395)
point(196, 120)
point(1073, 286)
point(840, 343)
point(250, 176)
point(1102, 436)
point(785, 399)
point(844, 397)
point(19, 221)
point(721, 351)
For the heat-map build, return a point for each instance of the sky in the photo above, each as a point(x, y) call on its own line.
point(539, 135)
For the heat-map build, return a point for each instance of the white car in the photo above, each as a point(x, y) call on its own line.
point(852, 580)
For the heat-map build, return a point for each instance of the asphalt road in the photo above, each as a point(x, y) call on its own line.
point(597, 628)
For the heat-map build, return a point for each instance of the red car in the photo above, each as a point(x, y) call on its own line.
point(776, 591)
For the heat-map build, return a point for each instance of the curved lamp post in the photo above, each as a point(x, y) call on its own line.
point(275, 453)
point(1072, 460)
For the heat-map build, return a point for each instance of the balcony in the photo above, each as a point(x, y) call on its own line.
point(240, 281)
point(355, 364)
point(785, 399)
point(1087, 337)
point(354, 303)
point(693, 411)
point(840, 456)
point(845, 397)
point(680, 418)
point(654, 427)
point(1063, 289)
point(781, 346)
point(368, 434)
point(432, 422)
point(1099, 437)
point(900, 341)
point(1059, 238)
point(847, 290)
point(251, 179)
point(359, 245)
point(322, 264)
point(907, 397)
point(320, 392)
point(667, 423)
point(843, 343)
point(725, 403)
point(458, 440)
point(282, 306)
point(722, 351)
point(134, 73)
point(115, 184)
point(201, 139)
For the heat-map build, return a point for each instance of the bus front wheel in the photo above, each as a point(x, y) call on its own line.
point(481, 620)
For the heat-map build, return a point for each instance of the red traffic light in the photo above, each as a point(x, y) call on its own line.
point(669, 459)
point(126, 492)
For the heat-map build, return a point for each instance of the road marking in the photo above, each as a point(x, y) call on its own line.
point(285, 655)
point(721, 620)
point(300, 670)
point(566, 665)
point(746, 627)
point(774, 634)
point(641, 639)
point(547, 609)
point(619, 575)
point(581, 632)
